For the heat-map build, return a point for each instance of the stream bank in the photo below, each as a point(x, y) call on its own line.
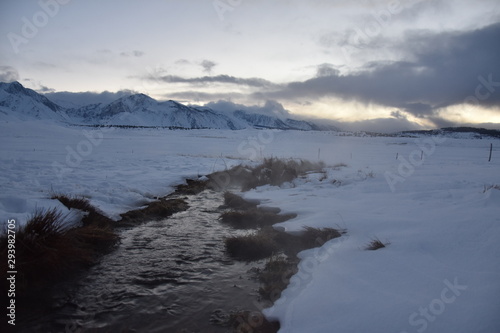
point(172, 271)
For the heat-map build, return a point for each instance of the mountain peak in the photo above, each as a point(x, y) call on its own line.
point(28, 103)
point(138, 110)
point(135, 100)
point(13, 87)
point(141, 97)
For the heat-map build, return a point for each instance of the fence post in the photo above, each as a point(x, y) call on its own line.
point(491, 149)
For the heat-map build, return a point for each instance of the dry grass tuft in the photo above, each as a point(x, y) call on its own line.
point(155, 210)
point(491, 187)
point(308, 239)
point(236, 202)
point(272, 171)
point(252, 247)
point(315, 237)
point(95, 217)
point(192, 187)
point(253, 218)
point(47, 250)
point(245, 321)
point(98, 240)
point(375, 244)
point(339, 166)
point(267, 241)
point(275, 277)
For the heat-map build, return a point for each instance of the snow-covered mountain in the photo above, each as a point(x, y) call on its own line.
point(142, 110)
point(134, 110)
point(21, 103)
point(266, 121)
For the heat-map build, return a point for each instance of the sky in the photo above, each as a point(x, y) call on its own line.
point(370, 64)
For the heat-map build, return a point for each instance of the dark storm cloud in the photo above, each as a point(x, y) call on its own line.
point(270, 107)
point(446, 69)
point(8, 74)
point(198, 96)
point(252, 82)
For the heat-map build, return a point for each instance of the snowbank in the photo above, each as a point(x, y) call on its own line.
point(440, 271)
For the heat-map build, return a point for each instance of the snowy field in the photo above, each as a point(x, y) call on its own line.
point(440, 272)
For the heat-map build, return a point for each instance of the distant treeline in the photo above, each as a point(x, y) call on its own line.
point(479, 131)
point(136, 126)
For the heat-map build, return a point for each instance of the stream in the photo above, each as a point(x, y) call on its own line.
point(170, 275)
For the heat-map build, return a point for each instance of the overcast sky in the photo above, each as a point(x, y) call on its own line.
point(388, 64)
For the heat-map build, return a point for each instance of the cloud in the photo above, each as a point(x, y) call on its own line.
point(252, 82)
point(134, 53)
point(45, 65)
point(379, 125)
point(44, 89)
point(445, 69)
point(326, 70)
point(198, 96)
point(105, 51)
point(274, 108)
point(182, 62)
point(208, 65)
point(8, 74)
point(78, 99)
point(38, 86)
point(270, 107)
point(398, 115)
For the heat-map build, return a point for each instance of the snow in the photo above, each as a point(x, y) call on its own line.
point(19, 103)
point(439, 273)
point(117, 169)
point(443, 229)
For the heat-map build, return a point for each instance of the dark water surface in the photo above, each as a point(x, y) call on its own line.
point(165, 276)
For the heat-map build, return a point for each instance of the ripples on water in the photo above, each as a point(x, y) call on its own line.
point(166, 276)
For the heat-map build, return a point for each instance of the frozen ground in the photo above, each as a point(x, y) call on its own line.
point(440, 272)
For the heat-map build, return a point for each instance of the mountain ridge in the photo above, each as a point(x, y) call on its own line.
point(137, 110)
point(26, 103)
